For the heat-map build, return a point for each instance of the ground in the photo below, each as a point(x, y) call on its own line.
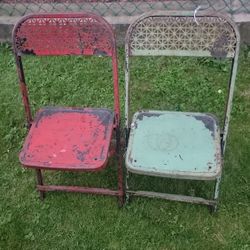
point(79, 221)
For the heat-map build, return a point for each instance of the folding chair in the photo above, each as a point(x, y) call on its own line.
point(66, 138)
point(179, 145)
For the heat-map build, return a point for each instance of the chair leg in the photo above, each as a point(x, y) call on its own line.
point(127, 131)
point(40, 182)
point(216, 193)
point(120, 169)
point(127, 187)
point(120, 183)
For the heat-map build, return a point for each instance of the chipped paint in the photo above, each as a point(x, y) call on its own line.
point(71, 139)
point(223, 41)
point(219, 50)
point(143, 113)
point(84, 133)
point(174, 143)
point(210, 122)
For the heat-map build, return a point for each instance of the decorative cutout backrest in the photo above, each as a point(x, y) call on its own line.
point(177, 35)
point(63, 34)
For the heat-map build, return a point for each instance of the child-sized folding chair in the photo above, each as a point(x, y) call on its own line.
point(66, 138)
point(179, 145)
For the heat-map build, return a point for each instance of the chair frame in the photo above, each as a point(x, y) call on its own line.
point(19, 51)
point(129, 52)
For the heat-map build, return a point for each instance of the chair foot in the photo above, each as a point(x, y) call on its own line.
point(40, 182)
point(42, 195)
point(120, 201)
point(213, 208)
point(127, 198)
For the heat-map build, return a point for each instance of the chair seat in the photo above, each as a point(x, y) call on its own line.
point(68, 139)
point(174, 144)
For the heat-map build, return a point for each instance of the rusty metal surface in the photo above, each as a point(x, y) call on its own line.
point(174, 197)
point(73, 189)
point(180, 35)
point(60, 34)
point(24, 91)
point(167, 33)
point(175, 33)
point(68, 139)
point(64, 34)
point(162, 143)
point(39, 178)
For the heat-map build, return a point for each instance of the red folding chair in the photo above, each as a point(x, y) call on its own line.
point(68, 139)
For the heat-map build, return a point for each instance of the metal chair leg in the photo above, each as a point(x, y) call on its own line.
point(127, 187)
point(120, 169)
point(40, 182)
point(120, 183)
point(216, 193)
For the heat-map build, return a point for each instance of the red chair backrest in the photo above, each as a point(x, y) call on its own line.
point(63, 34)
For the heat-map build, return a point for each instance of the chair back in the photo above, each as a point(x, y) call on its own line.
point(58, 34)
point(162, 33)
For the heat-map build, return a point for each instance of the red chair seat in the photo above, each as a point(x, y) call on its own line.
point(68, 139)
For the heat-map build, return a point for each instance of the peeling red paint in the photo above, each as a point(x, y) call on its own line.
point(64, 138)
point(70, 139)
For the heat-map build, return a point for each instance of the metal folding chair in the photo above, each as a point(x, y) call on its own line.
point(68, 139)
point(180, 145)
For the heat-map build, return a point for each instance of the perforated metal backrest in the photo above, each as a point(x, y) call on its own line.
point(178, 35)
point(63, 34)
point(56, 34)
point(162, 33)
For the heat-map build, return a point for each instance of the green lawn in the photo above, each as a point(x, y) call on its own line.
point(79, 221)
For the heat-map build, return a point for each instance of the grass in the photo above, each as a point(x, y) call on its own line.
point(78, 221)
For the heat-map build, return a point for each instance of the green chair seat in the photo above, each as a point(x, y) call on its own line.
point(174, 144)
